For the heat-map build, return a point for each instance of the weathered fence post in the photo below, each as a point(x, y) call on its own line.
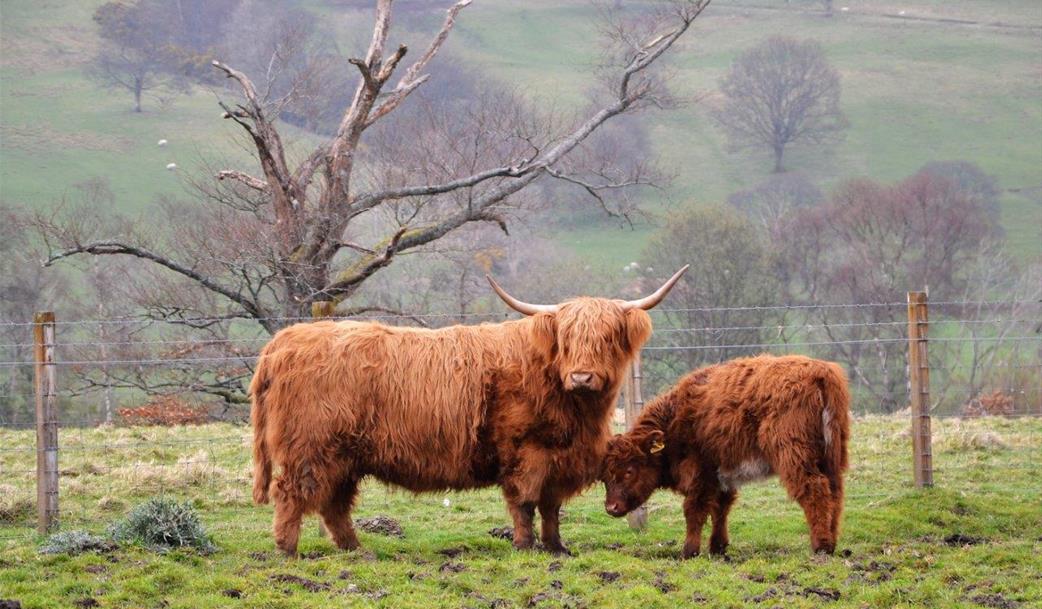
point(322, 309)
point(638, 518)
point(919, 388)
point(46, 422)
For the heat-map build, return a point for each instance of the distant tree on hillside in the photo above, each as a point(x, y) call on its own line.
point(781, 92)
point(770, 203)
point(137, 53)
point(713, 313)
point(971, 180)
point(872, 243)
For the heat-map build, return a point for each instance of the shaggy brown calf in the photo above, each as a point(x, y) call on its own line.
point(722, 426)
point(523, 404)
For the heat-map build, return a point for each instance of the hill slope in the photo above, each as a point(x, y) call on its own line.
point(915, 90)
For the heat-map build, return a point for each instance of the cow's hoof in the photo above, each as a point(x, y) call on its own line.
point(689, 553)
point(558, 550)
point(524, 544)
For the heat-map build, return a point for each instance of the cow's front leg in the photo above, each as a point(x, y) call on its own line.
point(523, 514)
point(550, 512)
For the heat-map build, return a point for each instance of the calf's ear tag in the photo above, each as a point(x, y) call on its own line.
point(657, 447)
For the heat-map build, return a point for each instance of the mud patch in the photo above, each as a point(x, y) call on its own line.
point(609, 576)
point(502, 533)
point(958, 539)
point(308, 584)
point(452, 552)
point(554, 567)
point(995, 601)
point(662, 585)
point(86, 602)
point(232, 593)
point(828, 594)
point(381, 525)
point(10, 604)
point(452, 567)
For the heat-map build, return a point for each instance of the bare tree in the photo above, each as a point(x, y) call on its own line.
point(329, 222)
point(135, 54)
point(781, 92)
point(25, 291)
point(866, 247)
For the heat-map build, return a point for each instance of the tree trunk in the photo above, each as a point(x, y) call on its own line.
point(778, 152)
point(137, 95)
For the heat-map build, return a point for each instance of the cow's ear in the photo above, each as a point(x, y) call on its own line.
point(638, 328)
point(544, 333)
point(653, 442)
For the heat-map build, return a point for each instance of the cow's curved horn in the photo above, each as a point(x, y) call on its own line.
point(517, 305)
point(649, 302)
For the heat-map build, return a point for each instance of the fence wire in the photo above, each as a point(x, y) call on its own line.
point(116, 465)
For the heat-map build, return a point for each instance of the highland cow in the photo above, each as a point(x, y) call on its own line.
point(524, 404)
point(724, 425)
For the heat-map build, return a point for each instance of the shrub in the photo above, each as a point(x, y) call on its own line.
point(994, 404)
point(162, 524)
point(164, 410)
point(76, 542)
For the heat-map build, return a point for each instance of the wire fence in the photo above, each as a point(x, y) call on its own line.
point(985, 359)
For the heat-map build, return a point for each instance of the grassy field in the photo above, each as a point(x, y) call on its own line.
point(914, 91)
point(973, 541)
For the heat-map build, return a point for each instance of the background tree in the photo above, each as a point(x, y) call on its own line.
point(781, 92)
point(871, 243)
point(317, 225)
point(25, 290)
point(730, 268)
point(137, 53)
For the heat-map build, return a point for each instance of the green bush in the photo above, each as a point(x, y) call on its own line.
point(75, 542)
point(162, 524)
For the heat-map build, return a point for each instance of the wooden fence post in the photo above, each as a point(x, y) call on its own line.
point(919, 388)
point(322, 309)
point(638, 518)
point(46, 422)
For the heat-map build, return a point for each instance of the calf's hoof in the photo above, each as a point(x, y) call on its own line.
point(689, 552)
point(558, 549)
point(824, 547)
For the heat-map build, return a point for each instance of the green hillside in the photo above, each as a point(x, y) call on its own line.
point(914, 90)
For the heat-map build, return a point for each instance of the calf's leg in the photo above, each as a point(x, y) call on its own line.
point(811, 490)
point(719, 540)
point(336, 514)
point(696, 511)
point(289, 510)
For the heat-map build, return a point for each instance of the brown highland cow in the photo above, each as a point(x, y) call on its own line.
point(724, 425)
point(524, 404)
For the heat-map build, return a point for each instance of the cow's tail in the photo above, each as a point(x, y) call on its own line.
point(835, 429)
point(258, 415)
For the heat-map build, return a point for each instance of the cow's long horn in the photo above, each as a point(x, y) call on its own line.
point(649, 302)
point(517, 305)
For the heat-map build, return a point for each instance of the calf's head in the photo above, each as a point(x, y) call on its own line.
point(589, 341)
point(631, 471)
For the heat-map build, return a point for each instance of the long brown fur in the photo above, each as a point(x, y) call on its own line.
point(453, 408)
point(731, 423)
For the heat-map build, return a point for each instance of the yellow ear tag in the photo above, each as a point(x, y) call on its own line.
point(657, 447)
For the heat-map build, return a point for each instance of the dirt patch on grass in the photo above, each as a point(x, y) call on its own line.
point(381, 525)
point(958, 539)
point(502, 533)
point(995, 601)
point(609, 576)
point(308, 584)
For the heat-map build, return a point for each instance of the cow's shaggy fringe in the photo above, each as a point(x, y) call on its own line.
point(735, 422)
point(452, 408)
